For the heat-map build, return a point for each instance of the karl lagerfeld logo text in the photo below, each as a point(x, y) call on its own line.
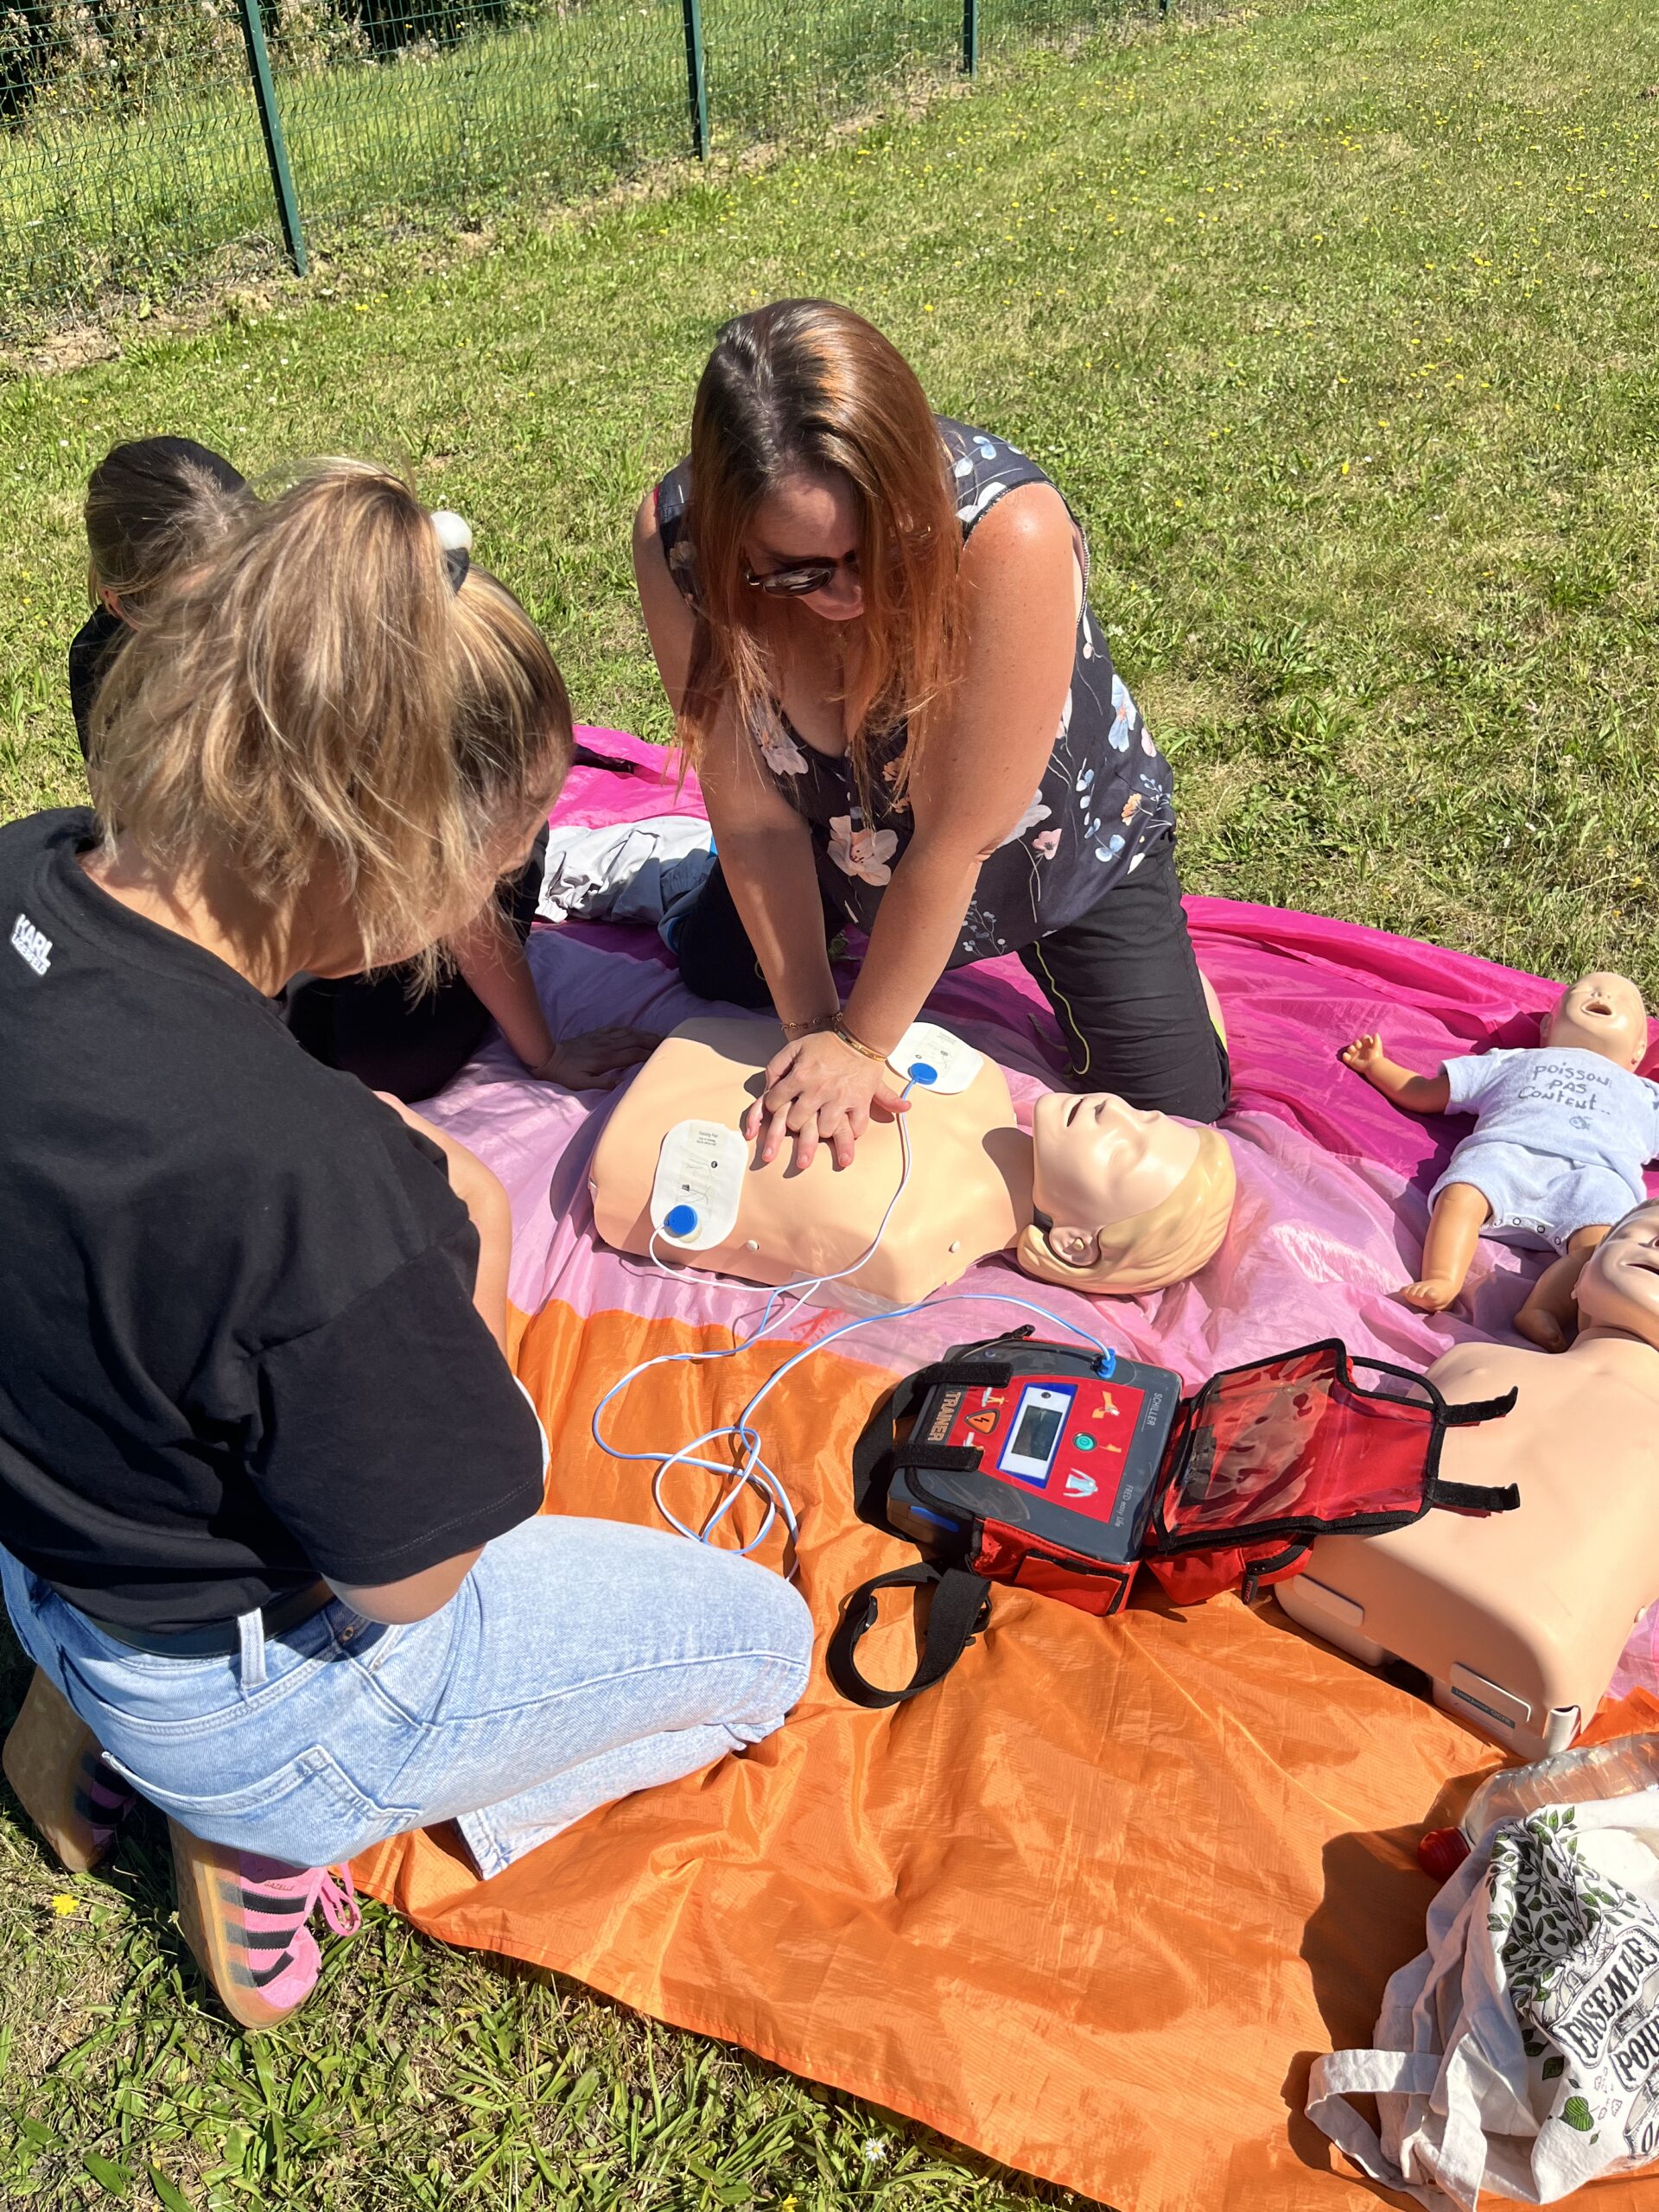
point(31, 945)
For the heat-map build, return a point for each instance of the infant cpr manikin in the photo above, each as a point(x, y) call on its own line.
point(1126, 1201)
point(1519, 1619)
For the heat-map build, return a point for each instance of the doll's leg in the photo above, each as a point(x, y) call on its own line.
point(1546, 1318)
point(1460, 1213)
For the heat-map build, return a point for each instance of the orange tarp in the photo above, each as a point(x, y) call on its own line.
point(1090, 1906)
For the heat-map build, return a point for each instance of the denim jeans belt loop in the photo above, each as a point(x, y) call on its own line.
point(220, 1639)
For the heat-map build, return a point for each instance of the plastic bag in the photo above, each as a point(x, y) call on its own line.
point(1615, 1769)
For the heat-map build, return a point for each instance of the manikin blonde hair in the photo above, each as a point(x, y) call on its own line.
point(317, 704)
point(1150, 1251)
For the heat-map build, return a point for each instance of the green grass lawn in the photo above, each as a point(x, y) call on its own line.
point(1337, 324)
point(176, 191)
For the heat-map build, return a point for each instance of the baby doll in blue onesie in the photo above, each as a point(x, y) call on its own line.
point(1564, 1129)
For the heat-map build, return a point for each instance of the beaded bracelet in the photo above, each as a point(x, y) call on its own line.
point(818, 1023)
point(858, 1044)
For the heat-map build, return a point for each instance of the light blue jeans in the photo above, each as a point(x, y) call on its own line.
point(580, 1660)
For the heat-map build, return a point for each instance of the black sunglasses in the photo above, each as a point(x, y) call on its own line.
point(799, 579)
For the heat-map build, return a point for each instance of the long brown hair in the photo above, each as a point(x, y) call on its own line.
point(806, 387)
point(318, 700)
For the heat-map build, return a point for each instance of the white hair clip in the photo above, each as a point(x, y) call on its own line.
point(455, 537)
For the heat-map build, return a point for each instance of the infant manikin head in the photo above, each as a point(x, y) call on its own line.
point(1618, 1287)
point(1600, 1014)
point(1125, 1201)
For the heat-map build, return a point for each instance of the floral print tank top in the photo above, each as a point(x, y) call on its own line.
point(1104, 801)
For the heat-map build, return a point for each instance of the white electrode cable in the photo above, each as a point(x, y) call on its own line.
point(751, 1472)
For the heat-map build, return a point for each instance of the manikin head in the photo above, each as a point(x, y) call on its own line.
point(1600, 1014)
point(1125, 1201)
point(1619, 1286)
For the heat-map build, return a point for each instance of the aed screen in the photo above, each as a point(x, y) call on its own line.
point(1036, 1434)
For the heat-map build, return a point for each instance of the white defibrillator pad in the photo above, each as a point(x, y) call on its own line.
point(699, 1176)
point(933, 1060)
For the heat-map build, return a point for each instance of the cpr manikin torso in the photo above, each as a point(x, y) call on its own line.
point(970, 1187)
point(1519, 1618)
point(1099, 1165)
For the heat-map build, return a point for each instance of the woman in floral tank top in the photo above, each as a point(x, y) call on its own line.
point(872, 623)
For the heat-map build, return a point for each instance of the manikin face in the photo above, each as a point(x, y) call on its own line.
point(810, 519)
point(1619, 1286)
point(1601, 1014)
point(1099, 1161)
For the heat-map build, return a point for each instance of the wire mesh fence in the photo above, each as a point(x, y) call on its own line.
point(146, 145)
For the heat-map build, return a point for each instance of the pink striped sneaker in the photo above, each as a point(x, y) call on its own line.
point(54, 1762)
point(246, 1918)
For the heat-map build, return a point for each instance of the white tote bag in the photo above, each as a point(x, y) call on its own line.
point(1519, 2054)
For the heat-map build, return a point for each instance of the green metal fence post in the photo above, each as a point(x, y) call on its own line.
point(695, 86)
point(270, 123)
point(970, 36)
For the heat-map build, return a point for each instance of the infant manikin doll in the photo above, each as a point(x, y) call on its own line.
point(1101, 1197)
point(1564, 1129)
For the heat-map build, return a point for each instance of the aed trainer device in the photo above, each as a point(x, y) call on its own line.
point(1069, 1457)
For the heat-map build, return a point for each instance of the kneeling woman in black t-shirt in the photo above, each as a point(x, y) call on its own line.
point(267, 1488)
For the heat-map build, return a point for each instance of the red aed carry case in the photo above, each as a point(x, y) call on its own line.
point(1060, 1471)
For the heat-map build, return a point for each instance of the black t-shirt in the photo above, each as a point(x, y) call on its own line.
point(237, 1346)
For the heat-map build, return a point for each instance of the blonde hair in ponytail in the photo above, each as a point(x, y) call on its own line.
point(317, 704)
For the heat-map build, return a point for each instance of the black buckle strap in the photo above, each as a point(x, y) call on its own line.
point(1474, 1497)
point(970, 1373)
point(1478, 1409)
point(960, 1608)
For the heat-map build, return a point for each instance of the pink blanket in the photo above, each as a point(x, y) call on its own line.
point(1333, 1180)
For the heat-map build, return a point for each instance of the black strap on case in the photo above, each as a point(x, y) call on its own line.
point(1476, 1410)
point(1474, 1497)
point(1256, 1571)
point(970, 1374)
point(960, 1608)
point(585, 757)
point(939, 1459)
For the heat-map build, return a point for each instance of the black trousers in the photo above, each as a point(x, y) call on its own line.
point(374, 1028)
point(1123, 982)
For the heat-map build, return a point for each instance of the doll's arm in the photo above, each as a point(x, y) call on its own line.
point(1418, 1094)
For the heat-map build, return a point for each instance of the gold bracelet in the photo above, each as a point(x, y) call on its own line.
point(857, 1043)
point(815, 1028)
